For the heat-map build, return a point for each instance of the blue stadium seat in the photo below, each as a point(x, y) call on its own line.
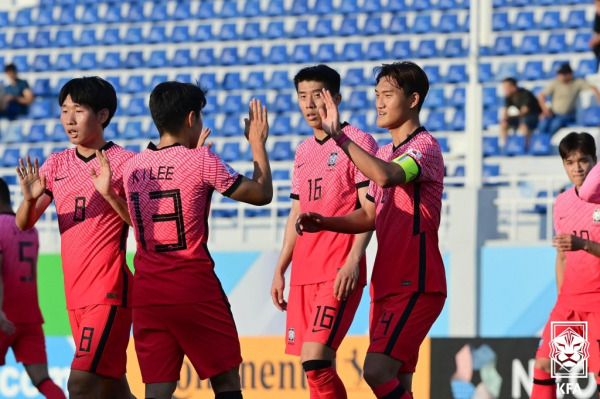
point(555, 65)
point(303, 129)
point(550, 20)
point(396, 5)
point(585, 68)
point(64, 38)
point(254, 55)
point(458, 120)
point(352, 52)
point(111, 132)
point(322, 7)
point(354, 77)
point(135, 84)
point(503, 45)
point(159, 12)
point(500, 21)
point(41, 39)
point(20, 40)
point(45, 16)
point(4, 21)
point(251, 9)
point(113, 14)
point(525, 21)
point(454, 48)
point(133, 147)
point(436, 121)
point(67, 15)
point(111, 37)
point(278, 54)
point(433, 73)
point(275, 8)
point(323, 27)
point(530, 45)
point(228, 32)
point(208, 80)
point(157, 34)
point(21, 62)
point(282, 103)
point(279, 80)
point(87, 61)
point(371, 6)
point(491, 147)
point(275, 30)
point(325, 52)
point(155, 80)
point(41, 63)
point(485, 72)
point(231, 151)
point(490, 117)
point(112, 60)
point(281, 174)
point(359, 120)
point(534, 70)
point(515, 145)
point(37, 133)
point(205, 57)
point(357, 101)
point(443, 141)
point(206, 10)
point(58, 133)
point(301, 54)
point(10, 158)
point(300, 29)
point(255, 80)
point(591, 116)
point(182, 11)
point(23, 17)
point(3, 43)
point(447, 5)
point(137, 107)
point(376, 51)
point(251, 31)
point(299, 7)
point(132, 130)
point(372, 26)
point(349, 27)
point(41, 87)
point(64, 62)
point(134, 60)
point(134, 35)
point(157, 59)
point(135, 13)
point(281, 126)
point(13, 133)
point(231, 126)
point(232, 81)
point(232, 104)
point(180, 34)
point(282, 151)
point(397, 25)
point(556, 43)
point(576, 19)
point(422, 24)
point(540, 145)
point(448, 23)
point(490, 171)
point(203, 33)
point(41, 109)
point(457, 73)
point(347, 7)
point(401, 50)
point(229, 9)
point(229, 56)
point(115, 81)
point(490, 98)
point(211, 105)
point(458, 98)
point(506, 70)
point(580, 42)
point(435, 98)
point(427, 49)
point(181, 58)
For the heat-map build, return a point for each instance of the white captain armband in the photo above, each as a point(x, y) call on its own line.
point(410, 167)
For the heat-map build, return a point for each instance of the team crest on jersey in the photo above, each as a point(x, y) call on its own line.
point(596, 215)
point(291, 335)
point(415, 153)
point(332, 159)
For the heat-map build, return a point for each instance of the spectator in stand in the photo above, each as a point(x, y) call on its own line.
point(17, 96)
point(563, 92)
point(529, 111)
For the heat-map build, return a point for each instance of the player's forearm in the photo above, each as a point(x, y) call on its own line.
point(26, 215)
point(289, 242)
point(262, 173)
point(384, 174)
point(119, 204)
point(592, 247)
point(354, 223)
point(590, 189)
point(560, 270)
point(361, 241)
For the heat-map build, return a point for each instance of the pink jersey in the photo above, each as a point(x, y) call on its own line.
point(590, 189)
point(168, 193)
point(325, 181)
point(407, 222)
point(93, 235)
point(581, 282)
point(19, 250)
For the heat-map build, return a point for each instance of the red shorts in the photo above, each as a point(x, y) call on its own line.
point(27, 343)
point(204, 332)
point(400, 323)
point(101, 334)
point(314, 315)
point(560, 313)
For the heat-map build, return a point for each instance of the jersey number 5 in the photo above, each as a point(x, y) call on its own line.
point(27, 259)
point(176, 216)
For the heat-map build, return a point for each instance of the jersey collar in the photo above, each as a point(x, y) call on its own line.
point(321, 142)
point(410, 137)
point(88, 159)
point(153, 146)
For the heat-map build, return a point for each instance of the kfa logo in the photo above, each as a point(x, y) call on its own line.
point(332, 159)
point(291, 335)
point(569, 349)
point(596, 215)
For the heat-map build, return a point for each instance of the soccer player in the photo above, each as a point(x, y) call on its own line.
point(93, 238)
point(20, 315)
point(404, 201)
point(179, 307)
point(329, 269)
point(577, 244)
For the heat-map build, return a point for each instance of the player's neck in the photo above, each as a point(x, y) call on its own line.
point(88, 149)
point(167, 140)
point(401, 133)
point(320, 134)
point(6, 208)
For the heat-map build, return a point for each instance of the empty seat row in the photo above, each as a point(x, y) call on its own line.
point(550, 20)
point(515, 145)
point(534, 70)
point(531, 44)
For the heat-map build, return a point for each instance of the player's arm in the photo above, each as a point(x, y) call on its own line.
point(570, 242)
point(6, 325)
point(385, 174)
point(259, 189)
point(561, 263)
point(359, 221)
point(35, 199)
point(285, 257)
point(347, 277)
point(103, 184)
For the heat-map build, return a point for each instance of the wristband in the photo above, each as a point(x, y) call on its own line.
point(342, 139)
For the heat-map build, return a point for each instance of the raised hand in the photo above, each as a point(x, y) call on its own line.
point(102, 182)
point(257, 124)
point(32, 185)
point(202, 139)
point(330, 119)
point(277, 288)
point(309, 222)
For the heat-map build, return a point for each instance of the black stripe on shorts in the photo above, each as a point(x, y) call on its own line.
point(401, 323)
point(104, 338)
point(336, 324)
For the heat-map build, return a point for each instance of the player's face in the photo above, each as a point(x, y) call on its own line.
point(82, 125)
point(578, 165)
point(393, 106)
point(310, 101)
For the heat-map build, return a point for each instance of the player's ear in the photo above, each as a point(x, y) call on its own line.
point(414, 100)
point(103, 115)
point(337, 99)
point(191, 119)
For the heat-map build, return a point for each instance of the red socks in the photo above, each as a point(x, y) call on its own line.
point(391, 390)
point(50, 390)
point(544, 386)
point(323, 381)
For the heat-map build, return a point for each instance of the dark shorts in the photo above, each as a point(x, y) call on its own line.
point(27, 343)
point(531, 121)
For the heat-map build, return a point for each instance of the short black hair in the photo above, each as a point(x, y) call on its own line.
point(10, 68)
point(4, 192)
point(574, 141)
point(171, 103)
point(93, 92)
point(512, 81)
point(319, 73)
point(408, 76)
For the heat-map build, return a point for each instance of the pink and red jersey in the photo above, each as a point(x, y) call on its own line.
point(580, 289)
point(19, 251)
point(326, 181)
point(408, 218)
point(168, 194)
point(93, 235)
